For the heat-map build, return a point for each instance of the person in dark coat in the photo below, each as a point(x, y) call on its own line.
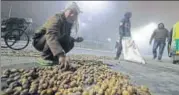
point(53, 38)
point(124, 31)
point(159, 35)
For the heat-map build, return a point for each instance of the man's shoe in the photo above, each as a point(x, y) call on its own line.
point(154, 57)
point(116, 58)
point(43, 62)
point(159, 60)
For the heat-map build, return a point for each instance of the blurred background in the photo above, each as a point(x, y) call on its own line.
point(99, 21)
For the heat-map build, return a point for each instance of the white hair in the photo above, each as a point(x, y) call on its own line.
point(74, 6)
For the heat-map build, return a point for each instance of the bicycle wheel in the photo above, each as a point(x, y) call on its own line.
point(3, 44)
point(17, 39)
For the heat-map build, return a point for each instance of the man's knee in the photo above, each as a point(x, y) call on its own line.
point(119, 50)
point(71, 46)
point(39, 43)
point(154, 48)
point(68, 47)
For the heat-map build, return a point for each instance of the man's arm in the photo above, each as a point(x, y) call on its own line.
point(52, 34)
point(152, 36)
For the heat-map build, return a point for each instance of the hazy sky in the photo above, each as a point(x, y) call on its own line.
point(99, 20)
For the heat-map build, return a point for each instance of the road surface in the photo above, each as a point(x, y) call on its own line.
point(162, 78)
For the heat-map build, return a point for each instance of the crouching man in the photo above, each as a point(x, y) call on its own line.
point(53, 38)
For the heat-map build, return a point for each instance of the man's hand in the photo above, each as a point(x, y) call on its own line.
point(64, 62)
point(79, 39)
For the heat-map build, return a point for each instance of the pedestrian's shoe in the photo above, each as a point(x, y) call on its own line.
point(116, 58)
point(174, 62)
point(154, 57)
point(159, 60)
point(43, 62)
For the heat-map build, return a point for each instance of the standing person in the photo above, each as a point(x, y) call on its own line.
point(159, 35)
point(124, 31)
point(170, 42)
point(53, 38)
point(173, 43)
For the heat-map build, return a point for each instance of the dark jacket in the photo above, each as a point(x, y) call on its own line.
point(160, 34)
point(57, 34)
point(125, 27)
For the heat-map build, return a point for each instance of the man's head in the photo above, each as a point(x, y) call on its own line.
point(161, 25)
point(71, 12)
point(128, 15)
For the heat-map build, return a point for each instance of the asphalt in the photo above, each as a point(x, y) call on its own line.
point(162, 78)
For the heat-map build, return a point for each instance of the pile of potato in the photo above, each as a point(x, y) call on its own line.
point(87, 78)
point(90, 57)
point(34, 53)
point(31, 53)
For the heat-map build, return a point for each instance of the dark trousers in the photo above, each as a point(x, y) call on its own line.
point(42, 46)
point(158, 44)
point(119, 48)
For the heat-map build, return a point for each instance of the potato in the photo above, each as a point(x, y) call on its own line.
point(24, 81)
point(55, 89)
point(85, 93)
point(9, 80)
point(18, 88)
point(100, 92)
point(35, 81)
point(44, 86)
point(119, 92)
point(80, 89)
point(42, 81)
point(16, 93)
point(6, 72)
point(113, 92)
point(26, 86)
point(9, 91)
point(58, 82)
point(77, 93)
point(4, 76)
point(58, 93)
point(73, 84)
point(14, 84)
point(21, 70)
point(49, 91)
point(33, 90)
point(125, 92)
point(43, 92)
point(92, 92)
point(130, 89)
point(24, 92)
point(13, 70)
point(17, 78)
point(144, 88)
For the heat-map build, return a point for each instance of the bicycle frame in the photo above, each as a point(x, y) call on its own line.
point(21, 29)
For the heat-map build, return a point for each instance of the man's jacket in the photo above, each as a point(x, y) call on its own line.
point(57, 34)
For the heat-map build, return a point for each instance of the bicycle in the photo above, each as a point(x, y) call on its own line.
point(14, 30)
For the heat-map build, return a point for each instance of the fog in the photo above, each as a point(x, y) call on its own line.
point(100, 20)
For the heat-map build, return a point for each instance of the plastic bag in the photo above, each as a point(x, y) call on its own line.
point(131, 51)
